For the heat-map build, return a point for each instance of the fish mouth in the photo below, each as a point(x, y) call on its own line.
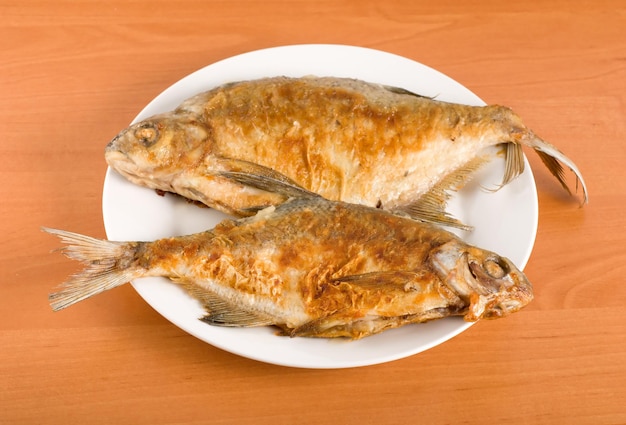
point(138, 174)
point(124, 165)
point(498, 297)
point(119, 160)
point(500, 308)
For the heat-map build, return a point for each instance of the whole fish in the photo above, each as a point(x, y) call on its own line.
point(342, 138)
point(311, 267)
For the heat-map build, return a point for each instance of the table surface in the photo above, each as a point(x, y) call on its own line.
point(72, 74)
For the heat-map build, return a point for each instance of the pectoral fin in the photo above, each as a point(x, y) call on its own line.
point(263, 178)
point(366, 317)
point(386, 280)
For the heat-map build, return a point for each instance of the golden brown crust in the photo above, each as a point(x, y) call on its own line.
point(344, 139)
point(322, 262)
point(341, 138)
point(312, 267)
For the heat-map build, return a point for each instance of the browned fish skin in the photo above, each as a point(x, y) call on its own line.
point(368, 132)
point(315, 268)
point(344, 139)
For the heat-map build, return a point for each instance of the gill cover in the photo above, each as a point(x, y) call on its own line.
point(491, 285)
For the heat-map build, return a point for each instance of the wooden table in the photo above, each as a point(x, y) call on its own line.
point(72, 74)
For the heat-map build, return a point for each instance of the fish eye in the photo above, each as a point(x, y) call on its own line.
point(147, 134)
point(495, 267)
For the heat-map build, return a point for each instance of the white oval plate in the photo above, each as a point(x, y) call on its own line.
point(505, 221)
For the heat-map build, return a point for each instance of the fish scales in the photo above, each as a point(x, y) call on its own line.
point(320, 134)
point(326, 136)
point(342, 138)
point(312, 267)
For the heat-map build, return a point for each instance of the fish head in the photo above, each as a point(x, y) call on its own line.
point(491, 284)
point(151, 152)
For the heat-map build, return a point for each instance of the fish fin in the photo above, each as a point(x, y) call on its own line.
point(223, 313)
point(269, 184)
point(263, 178)
point(322, 327)
point(554, 160)
point(431, 207)
point(400, 90)
point(242, 166)
point(384, 279)
point(236, 319)
point(107, 265)
point(513, 162)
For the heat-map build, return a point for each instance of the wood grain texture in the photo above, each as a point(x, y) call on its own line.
point(72, 74)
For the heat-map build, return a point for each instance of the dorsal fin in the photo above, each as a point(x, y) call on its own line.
point(400, 90)
point(431, 207)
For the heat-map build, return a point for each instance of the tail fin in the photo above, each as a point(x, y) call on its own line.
point(107, 266)
point(554, 159)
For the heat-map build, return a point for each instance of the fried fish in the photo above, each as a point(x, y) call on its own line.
point(345, 139)
point(311, 267)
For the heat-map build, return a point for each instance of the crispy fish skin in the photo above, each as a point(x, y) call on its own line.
point(344, 139)
point(311, 267)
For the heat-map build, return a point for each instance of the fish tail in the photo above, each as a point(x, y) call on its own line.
point(108, 264)
point(554, 160)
